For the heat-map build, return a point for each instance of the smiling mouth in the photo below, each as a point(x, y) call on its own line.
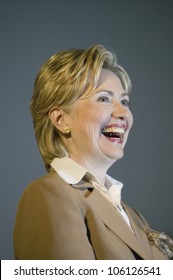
point(113, 132)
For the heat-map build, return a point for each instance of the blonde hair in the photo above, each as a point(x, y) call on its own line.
point(64, 78)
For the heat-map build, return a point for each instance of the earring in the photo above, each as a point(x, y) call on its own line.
point(67, 130)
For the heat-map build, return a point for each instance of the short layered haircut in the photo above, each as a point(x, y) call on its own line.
point(64, 78)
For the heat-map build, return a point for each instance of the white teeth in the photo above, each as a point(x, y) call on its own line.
point(114, 129)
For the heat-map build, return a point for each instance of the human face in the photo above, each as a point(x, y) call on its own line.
point(100, 123)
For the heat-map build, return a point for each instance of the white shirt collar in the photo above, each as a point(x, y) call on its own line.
point(68, 169)
point(72, 173)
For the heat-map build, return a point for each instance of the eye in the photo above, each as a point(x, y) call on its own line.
point(125, 102)
point(103, 99)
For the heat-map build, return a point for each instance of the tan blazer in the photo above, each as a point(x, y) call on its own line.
point(57, 221)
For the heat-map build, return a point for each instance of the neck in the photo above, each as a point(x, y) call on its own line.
point(98, 169)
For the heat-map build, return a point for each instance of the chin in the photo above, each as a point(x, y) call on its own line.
point(114, 155)
point(117, 156)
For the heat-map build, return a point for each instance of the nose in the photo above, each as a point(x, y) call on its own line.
point(120, 111)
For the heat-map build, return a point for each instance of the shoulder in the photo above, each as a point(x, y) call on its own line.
point(51, 183)
point(50, 192)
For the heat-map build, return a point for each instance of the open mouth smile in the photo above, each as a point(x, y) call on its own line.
point(114, 133)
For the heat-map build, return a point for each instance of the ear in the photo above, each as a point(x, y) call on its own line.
point(57, 117)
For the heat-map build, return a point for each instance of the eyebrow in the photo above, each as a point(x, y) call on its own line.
point(112, 93)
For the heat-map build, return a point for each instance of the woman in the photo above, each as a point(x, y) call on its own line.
point(81, 116)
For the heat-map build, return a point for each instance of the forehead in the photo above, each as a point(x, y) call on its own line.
point(109, 80)
point(104, 76)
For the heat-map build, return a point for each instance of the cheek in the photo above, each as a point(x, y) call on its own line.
point(90, 122)
point(91, 134)
point(93, 131)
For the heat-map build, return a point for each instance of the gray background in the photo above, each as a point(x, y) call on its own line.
point(140, 32)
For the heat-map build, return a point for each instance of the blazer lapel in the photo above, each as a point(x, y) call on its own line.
point(115, 222)
point(138, 229)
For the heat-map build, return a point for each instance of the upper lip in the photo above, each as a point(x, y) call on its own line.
point(116, 125)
